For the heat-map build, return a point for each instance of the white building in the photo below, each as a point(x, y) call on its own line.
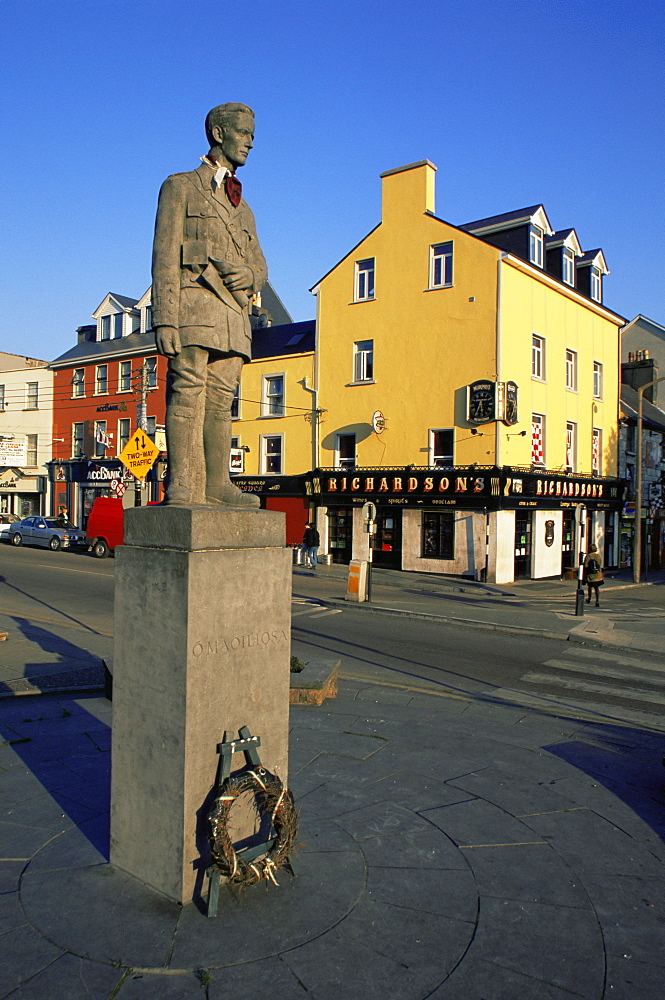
point(26, 434)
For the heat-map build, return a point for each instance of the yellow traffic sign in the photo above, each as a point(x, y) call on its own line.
point(139, 454)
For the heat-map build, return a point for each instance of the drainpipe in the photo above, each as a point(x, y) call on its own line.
point(315, 421)
point(497, 440)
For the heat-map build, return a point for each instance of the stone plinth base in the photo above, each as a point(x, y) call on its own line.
point(202, 645)
point(316, 682)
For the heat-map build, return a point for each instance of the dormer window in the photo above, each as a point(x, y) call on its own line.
point(596, 288)
point(112, 327)
point(536, 245)
point(568, 267)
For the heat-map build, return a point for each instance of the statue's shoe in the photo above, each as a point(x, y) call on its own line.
point(231, 496)
point(178, 496)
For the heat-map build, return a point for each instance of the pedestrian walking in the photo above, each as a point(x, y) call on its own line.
point(310, 545)
point(593, 573)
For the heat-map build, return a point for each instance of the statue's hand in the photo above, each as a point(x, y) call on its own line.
point(167, 339)
point(239, 279)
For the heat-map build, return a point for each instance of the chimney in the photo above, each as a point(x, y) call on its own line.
point(86, 333)
point(640, 369)
point(407, 191)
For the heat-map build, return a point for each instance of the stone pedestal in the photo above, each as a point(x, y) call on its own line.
point(202, 645)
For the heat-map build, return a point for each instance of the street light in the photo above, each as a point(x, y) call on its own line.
point(637, 539)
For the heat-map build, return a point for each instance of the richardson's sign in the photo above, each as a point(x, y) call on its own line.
point(465, 487)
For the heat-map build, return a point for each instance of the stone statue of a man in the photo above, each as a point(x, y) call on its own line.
point(207, 264)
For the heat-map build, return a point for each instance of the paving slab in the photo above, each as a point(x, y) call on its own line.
point(71, 978)
point(542, 941)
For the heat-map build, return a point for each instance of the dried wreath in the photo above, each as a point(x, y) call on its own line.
point(273, 799)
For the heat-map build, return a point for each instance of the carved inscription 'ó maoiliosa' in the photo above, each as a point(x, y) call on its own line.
point(253, 640)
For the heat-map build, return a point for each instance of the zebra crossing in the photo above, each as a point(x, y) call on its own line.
point(312, 608)
point(631, 688)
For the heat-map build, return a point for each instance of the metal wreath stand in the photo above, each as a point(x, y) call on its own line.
point(253, 864)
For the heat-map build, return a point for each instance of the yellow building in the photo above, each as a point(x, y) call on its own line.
point(273, 421)
point(468, 378)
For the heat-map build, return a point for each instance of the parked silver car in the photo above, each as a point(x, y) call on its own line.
point(6, 521)
point(54, 532)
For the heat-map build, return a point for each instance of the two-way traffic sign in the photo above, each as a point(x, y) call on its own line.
point(139, 454)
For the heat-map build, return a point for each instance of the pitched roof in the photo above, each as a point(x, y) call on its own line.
point(291, 338)
point(517, 216)
point(652, 415)
point(99, 350)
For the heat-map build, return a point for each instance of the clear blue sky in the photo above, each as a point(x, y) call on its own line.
point(517, 102)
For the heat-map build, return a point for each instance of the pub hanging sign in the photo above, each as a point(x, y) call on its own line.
point(510, 415)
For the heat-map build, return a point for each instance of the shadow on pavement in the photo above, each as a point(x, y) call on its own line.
point(628, 762)
point(74, 765)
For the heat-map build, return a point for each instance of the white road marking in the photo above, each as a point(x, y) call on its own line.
point(590, 687)
point(607, 671)
point(624, 661)
point(333, 611)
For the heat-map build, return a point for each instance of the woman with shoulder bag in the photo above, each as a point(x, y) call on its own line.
point(593, 573)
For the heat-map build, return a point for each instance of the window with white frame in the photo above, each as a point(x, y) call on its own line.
point(597, 380)
point(363, 361)
point(538, 357)
point(571, 446)
point(124, 430)
point(272, 404)
point(151, 373)
point(125, 376)
point(2, 398)
point(536, 245)
point(596, 450)
point(364, 280)
point(117, 325)
point(106, 328)
point(441, 447)
point(101, 380)
point(537, 439)
point(345, 451)
point(151, 427)
point(441, 265)
point(571, 370)
point(32, 395)
point(596, 285)
point(272, 447)
point(568, 266)
point(101, 439)
point(147, 319)
point(78, 431)
point(31, 449)
point(78, 382)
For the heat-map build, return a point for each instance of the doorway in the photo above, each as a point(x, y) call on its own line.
point(522, 544)
point(387, 544)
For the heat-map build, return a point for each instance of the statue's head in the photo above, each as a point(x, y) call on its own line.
point(230, 131)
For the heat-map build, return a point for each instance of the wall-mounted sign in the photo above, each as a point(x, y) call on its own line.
point(378, 422)
point(237, 460)
point(481, 402)
point(510, 405)
point(13, 452)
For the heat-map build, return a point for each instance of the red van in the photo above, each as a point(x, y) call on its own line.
point(105, 527)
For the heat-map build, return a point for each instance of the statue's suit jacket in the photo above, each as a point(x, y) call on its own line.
point(197, 225)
